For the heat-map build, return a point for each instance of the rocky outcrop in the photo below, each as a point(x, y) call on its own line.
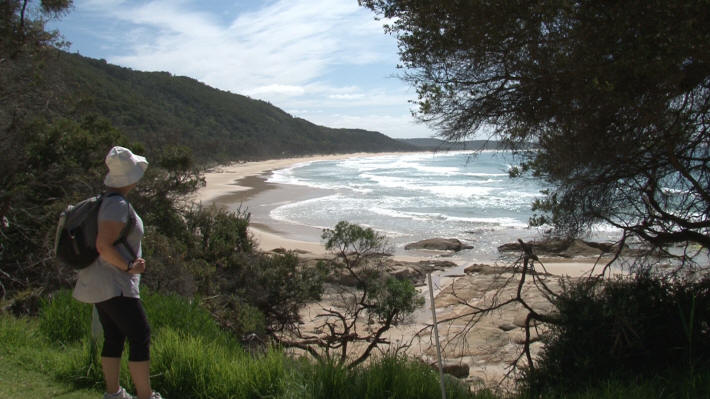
point(498, 337)
point(567, 248)
point(485, 269)
point(457, 369)
point(402, 270)
point(416, 271)
point(439, 244)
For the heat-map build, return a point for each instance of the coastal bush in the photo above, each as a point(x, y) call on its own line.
point(218, 234)
point(234, 314)
point(619, 119)
point(60, 164)
point(363, 293)
point(624, 329)
point(279, 287)
point(169, 270)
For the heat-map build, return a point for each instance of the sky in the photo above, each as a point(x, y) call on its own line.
point(327, 61)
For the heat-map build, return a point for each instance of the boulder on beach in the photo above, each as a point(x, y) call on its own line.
point(485, 269)
point(458, 369)
point(416, 271)
point(439, 244)
point(567, 248)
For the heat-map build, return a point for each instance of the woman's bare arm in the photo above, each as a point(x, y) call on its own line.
point(109, 232)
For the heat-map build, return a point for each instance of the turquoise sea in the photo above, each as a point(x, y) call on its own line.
point(414, 196)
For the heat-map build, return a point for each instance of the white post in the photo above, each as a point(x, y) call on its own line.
point(96, 329)
point(436, 337)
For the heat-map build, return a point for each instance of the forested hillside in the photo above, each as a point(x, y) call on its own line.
point(158, 109)
point(433, 144)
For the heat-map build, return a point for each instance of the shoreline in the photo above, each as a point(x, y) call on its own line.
point(238, 184)
point(485, 350)
point(243, 186)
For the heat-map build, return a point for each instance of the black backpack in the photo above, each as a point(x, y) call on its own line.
point(75, 240)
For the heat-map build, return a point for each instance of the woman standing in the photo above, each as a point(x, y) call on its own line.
point(111, 283)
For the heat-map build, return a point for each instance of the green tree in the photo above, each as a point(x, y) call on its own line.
point(22, 25)
point(626, 329)
point(368, 302)
point(23, 45)
point(615, 95)
point(63, 162)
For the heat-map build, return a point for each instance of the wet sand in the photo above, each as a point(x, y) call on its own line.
point(244, 186)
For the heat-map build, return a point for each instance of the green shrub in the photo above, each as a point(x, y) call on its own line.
point(168, 270)
point(239, 317)
point(278, 286)
point(64, 319)
point(217, 234)
point(624, 330)
point(670, 385)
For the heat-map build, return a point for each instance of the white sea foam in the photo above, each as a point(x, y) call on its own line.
point(416, 196)
point(397, 214)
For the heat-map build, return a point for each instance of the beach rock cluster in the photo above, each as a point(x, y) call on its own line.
point(477, 349)
point(439, 244)
point(485, 344)
point(402, 270)
point(566, 248)
point(416, 271)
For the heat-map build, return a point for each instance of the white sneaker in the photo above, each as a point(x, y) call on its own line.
point(155, 395)
point(121, 394)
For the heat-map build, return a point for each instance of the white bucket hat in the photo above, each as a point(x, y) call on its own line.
point(124, 167)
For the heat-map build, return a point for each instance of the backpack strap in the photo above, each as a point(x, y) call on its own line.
point(123, 238)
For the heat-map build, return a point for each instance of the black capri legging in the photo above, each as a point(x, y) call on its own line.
point(122, 318)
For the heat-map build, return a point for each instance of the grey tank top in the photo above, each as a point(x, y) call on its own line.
point(101, 280)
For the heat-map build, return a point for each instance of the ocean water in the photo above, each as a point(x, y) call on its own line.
point(415, 196)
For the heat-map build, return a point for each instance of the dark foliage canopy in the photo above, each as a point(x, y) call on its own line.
point(22, 25)
point(615, 94)
point(624, 329)
point(160, 109)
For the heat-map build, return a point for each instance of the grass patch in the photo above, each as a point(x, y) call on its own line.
point(384, 377)
point(28, 363)
point(193, 367)
point(63, 319)
point(180, 314)
point(197, 360)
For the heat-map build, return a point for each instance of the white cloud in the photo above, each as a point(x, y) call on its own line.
point(329, 59)
point(275, 89)
point(346, 96)
point(396, 126)
point(287, 43)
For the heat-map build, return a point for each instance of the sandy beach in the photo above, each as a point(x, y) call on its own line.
point(237, 183)
point(240, 184)
point(244, 186)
